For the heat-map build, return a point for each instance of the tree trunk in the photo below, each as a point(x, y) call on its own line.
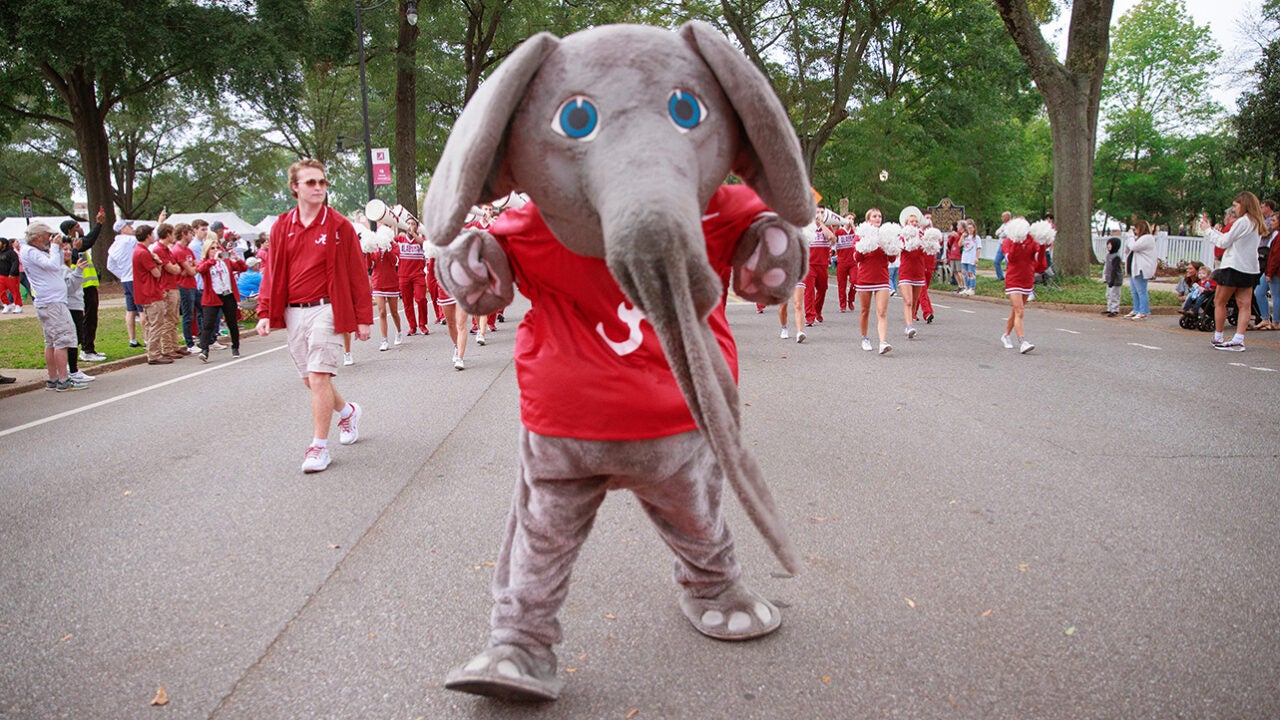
point(91, 142)
point(406, 154)
point(1072, 185)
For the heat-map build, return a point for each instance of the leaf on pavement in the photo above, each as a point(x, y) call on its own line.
point(987, 613)
point(1023, 567)
point(633, 713)
point(1070, 631)
point(910, 602)
point(161, 698)
point(489, 563)
point(826, 678)
point(609, 616)
point(816, 518)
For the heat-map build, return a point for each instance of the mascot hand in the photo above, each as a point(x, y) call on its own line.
point(770, 259)
point(475, 271)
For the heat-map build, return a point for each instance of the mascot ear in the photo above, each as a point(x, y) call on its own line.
point(470, 169)
point(770, 161)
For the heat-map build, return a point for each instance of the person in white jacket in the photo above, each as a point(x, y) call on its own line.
point(1140, 250)
point(1239, 271)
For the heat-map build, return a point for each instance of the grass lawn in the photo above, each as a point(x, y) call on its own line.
point(1075, 291)
point(22, 341)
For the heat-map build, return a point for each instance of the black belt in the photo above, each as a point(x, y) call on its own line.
point(313, 303)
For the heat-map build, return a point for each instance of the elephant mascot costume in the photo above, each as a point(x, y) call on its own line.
point(622, 136)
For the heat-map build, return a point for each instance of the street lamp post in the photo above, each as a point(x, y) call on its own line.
point(411, 14)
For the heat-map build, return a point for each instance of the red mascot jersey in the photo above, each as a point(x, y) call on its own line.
point(588, 363)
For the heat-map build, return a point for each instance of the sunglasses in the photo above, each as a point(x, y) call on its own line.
point(313, 182)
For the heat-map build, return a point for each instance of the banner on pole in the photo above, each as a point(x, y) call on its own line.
point(381, 166)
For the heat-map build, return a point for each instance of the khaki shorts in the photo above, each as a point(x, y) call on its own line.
point(59, 329)
point(313, 345)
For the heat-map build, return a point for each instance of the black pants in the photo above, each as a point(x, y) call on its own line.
point(73, 354)
point(90, 333)
point(210, 319)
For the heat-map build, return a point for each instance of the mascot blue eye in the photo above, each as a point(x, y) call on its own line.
point(577, 119)
point(686, 112)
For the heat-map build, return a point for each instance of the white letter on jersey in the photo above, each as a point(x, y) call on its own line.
point(632, 317)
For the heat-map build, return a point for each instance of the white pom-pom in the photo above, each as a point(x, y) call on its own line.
point(910, 237)
point(931, 241)
point(1017, 229)
point(868, 238)
point(891, 239)
point(1043, 232)
point(367, 238)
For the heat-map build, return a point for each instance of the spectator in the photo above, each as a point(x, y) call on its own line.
point(971, 245)
point(1239, 271)
point(1271, 275)
point(73, 276)
point(1001, 234)
point(1113, 276)
point(81, 246)
point(1264, 252)
point(1190, 276)
point(188, 288)
point(148, 293)
point(955, 249)
point(218, 268)
point(1199, 293)
point(251, 279)
point(10, 291)
point(42, 256)
point(1142, 267)
point(163, 247)
point(120, 263)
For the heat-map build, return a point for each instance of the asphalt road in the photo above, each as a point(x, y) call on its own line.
point(1088, 531)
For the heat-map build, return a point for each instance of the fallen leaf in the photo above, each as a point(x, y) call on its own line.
point(489, 563)
point(583, 656)
point(898, 408)
point(127, 493)
point(826, 678)
point(609, 616)
point(161, 698)
point(1023, 567)
point(835, 517)
point(815, 518)
point(571, 670)
point(987, 613)
point(372, 635)
point(953, 502)
point(334, 547)
point(1070, 631)
point(67, 637)
point(910, 602)
point(633, 713)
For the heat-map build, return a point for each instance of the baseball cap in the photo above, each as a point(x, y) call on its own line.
point(121, 225)
point(252, 262)
point(216, 225)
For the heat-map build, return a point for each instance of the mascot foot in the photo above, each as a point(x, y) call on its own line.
point(735, 614)
point(508, 672)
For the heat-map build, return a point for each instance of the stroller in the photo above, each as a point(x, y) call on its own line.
point(1202, 319)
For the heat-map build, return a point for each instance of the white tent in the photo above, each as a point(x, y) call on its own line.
point(229, 219)
point(13, 228)
point(264, 225)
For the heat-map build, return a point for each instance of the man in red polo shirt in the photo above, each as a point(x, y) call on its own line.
point(148, 294)
point(170, 272)
point(315, 285)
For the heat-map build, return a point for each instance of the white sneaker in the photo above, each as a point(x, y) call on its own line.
point(347, 359)
point(399, 338)
point(885, 348)
point(349, 429)
point(480, 339)
point(17, 308)
point(458, 364)
point(316, 459)
point(80, 376)
point(1007, 342)
point(1026, 347)
point(384, 346)
point(5, 311)
point(866, 344)
point(800, 336)
point(217, 346)
point(910, 332)
point(784, 335)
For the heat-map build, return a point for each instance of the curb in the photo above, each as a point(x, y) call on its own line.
point(111, 365)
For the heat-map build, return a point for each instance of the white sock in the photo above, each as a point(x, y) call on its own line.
point(346, 411)
point(319, 442)
point(1237, 338)
point(1217, 337)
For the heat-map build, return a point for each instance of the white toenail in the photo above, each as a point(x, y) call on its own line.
point(476, 663)
point(774, 277)
point(776, 238)
point(762, 612)
point(712, 617)
point(739, 621)
point(508, 668)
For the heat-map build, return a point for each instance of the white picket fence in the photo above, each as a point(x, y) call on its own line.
point(1170, 249)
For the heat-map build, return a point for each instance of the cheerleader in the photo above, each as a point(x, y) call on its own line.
point(1024, 250)
point(911, 273)
point(875, 245)
point(931, 242)
point(845, 269)
point(815, 291)
point(384, 277)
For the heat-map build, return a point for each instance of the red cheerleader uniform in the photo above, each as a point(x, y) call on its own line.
point(873, 269)
point(815, 283)
point(383, 277)
point(911, 269)
point(845, 267)
point(1025, 259)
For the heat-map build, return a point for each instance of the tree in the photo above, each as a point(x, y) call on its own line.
point(72, 63)
point(1072, 92)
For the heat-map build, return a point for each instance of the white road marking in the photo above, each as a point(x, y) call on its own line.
point(139, 391)
point(1262, 369)
point(1148, 347)
point(1073, 332)
point(971, 312)
point(1246, 365)
point(944, 307)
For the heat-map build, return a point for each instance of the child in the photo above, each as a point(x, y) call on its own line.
point(1199, 293)
point(1113, 276)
